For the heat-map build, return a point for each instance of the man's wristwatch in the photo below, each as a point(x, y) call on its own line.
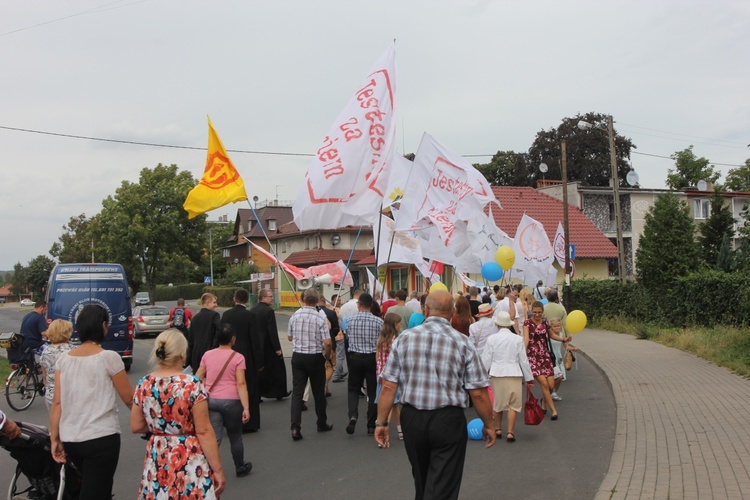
point(377, 424)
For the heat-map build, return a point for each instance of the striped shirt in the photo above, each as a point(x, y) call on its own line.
point(363, 330)
point(308, 330)
point(434, 366)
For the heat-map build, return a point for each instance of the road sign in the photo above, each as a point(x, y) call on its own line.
point(207, 280)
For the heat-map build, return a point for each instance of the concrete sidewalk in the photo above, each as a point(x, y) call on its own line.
point(682, 423)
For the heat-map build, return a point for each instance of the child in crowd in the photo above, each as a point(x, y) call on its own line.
point(391, 325)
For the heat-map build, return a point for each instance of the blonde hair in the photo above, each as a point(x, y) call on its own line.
point(389, 331)
point(59, 331)
point(206, 297)
point(170, 348)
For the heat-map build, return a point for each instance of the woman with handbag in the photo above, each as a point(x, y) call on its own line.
point(536, 333)
point(223, 370)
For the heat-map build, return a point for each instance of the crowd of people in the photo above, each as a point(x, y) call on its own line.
point(210, 372)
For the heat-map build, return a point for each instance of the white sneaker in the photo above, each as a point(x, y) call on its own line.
point(555, 397)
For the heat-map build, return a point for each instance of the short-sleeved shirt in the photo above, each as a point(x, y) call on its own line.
point(405, 314)
point(88, 396)
point(363, 330)
point(48, 360)
point(33, 326)
point(434, 366)
point(308, 330)
point(226, 387)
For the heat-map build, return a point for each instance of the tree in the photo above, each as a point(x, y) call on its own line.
point(742, 256)
point(587, 150)
point(237, 272)
point(18, 280)
point(507, 168)
point(713, 229)
point(144, 225)
point(667, 248)
point(738, 179)
point(76, 244)
point(37, 275)
point(689, 169)
point(725, 261)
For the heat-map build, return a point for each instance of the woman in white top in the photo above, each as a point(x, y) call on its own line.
point(84, 426)
point(504, 356)
point(480, 331)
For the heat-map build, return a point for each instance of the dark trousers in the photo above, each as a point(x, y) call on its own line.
point(362, 367)
point(435, 442)
point(227, 413)
point(96, 459)
point(252, 379)
point(304, 367)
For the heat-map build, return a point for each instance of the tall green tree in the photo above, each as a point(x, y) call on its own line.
point(689, 169)
point(667, 248)
point(719, 223)
point(18, 280)
point(725, 260)
point(587, 151)
point(742, 255)
point(37, 275)
point(507, 168)
point(738, 179)
point(143, 226)
point(76, 244)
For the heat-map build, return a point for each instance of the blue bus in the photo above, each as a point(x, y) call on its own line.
point(73, 286)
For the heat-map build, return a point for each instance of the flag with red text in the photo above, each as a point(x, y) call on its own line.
point(346, 180)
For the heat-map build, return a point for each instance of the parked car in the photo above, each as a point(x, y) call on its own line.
point(2, 300)
point(150, 320)
point(142, 299)
point(27, 303)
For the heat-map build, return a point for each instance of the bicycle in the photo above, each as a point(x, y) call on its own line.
point(25, 381)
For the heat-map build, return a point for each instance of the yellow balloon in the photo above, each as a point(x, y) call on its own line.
point(505, 257)
point(575, 322)
point(438, 286)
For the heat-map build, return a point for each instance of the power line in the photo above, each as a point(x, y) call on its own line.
point(736, 143)
point(272, 153)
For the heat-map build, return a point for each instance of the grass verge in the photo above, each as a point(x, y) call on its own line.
point(724, 346)
point(4, 369)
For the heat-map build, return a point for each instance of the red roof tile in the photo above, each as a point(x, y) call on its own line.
point(589, 241)
point(367, 261)
point(291, 228)
point(322, 256)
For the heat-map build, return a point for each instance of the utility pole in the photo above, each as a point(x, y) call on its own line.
point(566, 229)
point(211, 255)
point(616, 192)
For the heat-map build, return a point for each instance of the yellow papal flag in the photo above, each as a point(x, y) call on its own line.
point(220, 185)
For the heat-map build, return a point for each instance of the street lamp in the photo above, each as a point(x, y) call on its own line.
point(583, 125)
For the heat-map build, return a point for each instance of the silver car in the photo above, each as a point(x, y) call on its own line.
point(142, 299)
point(150, 320)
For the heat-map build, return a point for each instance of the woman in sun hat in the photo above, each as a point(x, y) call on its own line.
point(504, 356)
point(480, 331)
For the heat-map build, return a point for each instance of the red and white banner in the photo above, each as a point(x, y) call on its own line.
point(443, 189)
point(393, 246)
point(296, 272)
point(337, 270)
point(533, 250)
point(347, 179)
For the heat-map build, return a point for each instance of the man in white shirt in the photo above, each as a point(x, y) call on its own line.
point(346, 311)
point(413, 303)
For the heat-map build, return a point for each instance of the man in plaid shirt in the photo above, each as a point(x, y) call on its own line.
point(363, 330)
point(433, 366)
point(308, 332)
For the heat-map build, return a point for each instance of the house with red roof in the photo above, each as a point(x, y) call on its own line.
point(595, 254)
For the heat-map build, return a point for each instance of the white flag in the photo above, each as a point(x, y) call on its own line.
point(533, 250)
point(559, 245)
point(442, 190)
point(394, 246)
point(346, 180)
point(375, 285)
point(397, 180)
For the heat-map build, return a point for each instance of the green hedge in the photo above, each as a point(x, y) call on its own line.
point(187, 292)
point(705, 298)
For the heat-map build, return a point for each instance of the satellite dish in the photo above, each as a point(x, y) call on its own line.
point(632, 178)
point(702, 185)
point(543, 168)
point(255, 199)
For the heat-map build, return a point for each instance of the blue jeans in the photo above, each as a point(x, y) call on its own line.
point(228, 413)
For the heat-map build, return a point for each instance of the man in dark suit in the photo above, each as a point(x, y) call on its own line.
point(249, 344)
point(203, 329)
point(273, 376)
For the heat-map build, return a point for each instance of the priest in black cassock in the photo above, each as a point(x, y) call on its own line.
point(273, 374)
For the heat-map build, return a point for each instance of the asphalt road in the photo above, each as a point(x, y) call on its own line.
point(563, 459)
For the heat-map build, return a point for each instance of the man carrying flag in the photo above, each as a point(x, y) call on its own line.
point(220, 185)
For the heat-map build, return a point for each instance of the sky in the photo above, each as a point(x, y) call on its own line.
point(480, 76)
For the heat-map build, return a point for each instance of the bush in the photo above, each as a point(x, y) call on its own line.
point(187, 292)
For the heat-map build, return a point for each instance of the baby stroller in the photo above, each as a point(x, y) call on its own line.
point(47, 479)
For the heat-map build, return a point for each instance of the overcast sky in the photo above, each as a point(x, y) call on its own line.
point(480, 76)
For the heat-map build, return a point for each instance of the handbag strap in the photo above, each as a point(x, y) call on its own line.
point(222, 371)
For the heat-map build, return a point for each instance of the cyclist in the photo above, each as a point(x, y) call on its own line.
point(33, 328)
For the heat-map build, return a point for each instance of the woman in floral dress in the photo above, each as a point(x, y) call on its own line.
point(536, 331)
point(182, 456)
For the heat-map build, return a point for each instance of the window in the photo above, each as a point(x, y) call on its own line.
point(225, 253)
point(702, 209)
point(283, 247)
point(307, 243)
point(271, 223)
point(612, 217)
point(399, 278)
point(249, 226)
point(249, 250)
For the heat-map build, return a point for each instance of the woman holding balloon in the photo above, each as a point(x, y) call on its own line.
point(536, 332)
